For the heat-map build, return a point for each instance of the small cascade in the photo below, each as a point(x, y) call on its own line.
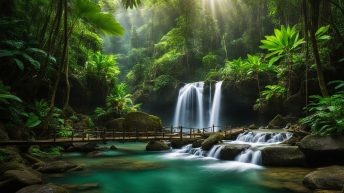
point(215, 109)
point(263, 137)
point(189, 108)
point(215, 151)
point(190, 150)
point(250, 156)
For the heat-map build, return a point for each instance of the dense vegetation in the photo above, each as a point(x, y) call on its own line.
point(65, 57)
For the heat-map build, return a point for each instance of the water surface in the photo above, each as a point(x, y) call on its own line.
point(133, 170)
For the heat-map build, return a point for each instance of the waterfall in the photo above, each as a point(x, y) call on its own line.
point(263, 137)
point(258, 140)
point(215, 151)
point(215, 109)
point(189, 108)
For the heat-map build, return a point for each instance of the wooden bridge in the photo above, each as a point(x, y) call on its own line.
point(103, 135)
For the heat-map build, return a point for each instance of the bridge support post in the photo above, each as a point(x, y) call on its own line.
point(213, 128)
point(54, 134)
point(72, 135)
point(113, 134)
point(190, 133)
point(181, 133)
point(137, 134)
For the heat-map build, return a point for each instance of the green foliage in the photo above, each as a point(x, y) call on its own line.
point(10, 105)
point(326, 115)
point(321, 34)
point(104, 66)
point(163, 81)
point(272, 91)
point(92, 14)
point(120, 101)
point(22, 54)
point(282, 44)
point(49, 153)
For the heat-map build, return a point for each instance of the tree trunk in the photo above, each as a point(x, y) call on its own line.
point(306, 28)
point(63, 57)
point(50, 42)
point(315, 5)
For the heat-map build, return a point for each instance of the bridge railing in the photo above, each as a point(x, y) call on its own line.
point(172, 132)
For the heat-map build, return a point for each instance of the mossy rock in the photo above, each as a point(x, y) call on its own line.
point(212, 140)
point(157, 146)
point(116, 124)
point(142, 121)
point(10, 154)
point(45, 188)
point(178, 143)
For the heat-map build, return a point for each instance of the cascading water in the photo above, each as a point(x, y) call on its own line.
point(215, 109)
point(257, 141)
point(189, 108)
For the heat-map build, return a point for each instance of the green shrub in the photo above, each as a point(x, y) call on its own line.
point(326, 114)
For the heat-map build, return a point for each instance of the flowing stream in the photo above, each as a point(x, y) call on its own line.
point(131, 169)
point(257, 141)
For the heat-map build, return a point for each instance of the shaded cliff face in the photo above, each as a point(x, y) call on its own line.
point(236, 103)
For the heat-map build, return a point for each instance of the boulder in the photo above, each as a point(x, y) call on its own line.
point(81, 187)
point(328, 178)
point(112, 147)
point(197, 143)
point(253, 127)
point(230, 151)
point(278, 122)
point(323, 150)
point(141, 121)
point(282, 156)
point(157, 146)
point(13, 180)
point(177, 143)
point(46, 188)
point(58, 167)
point(17, 132)
point(212, 140)
point(83, 147)
point(116, 124)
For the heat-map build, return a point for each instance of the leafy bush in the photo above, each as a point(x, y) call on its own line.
point(326, 114)
point(49, 153)
point(11, 108)
point(163, 81)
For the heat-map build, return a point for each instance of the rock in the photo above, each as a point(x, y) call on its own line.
point(156, 146)
point(141, 121)
point(58, 167)
point(46, 188)
point(17, 132)
point(323, 150)
point(81, 187)
point(282, 156)
point(83, 147)
point(213, 139)
point(230, 151)
point(252, 127)
point(233, 133)
point(85, 122)
point(329, 178)
point(277, 122)
point(177, 143)
point(16, 179)
point(112, 147)
point(116, 124)
point(10, 154)
point(197, 143)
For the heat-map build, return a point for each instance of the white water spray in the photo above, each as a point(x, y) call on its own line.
point(189, 108)
point(215, 109)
